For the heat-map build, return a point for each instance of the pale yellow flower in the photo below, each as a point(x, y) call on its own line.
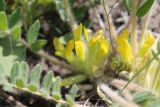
point(148, 43)
point(124, 47)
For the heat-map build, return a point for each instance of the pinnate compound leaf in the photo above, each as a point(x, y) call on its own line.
point(10, 52)
point(33, 31)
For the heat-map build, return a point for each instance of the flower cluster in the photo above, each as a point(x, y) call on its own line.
point(125, 49)
point(85, 52)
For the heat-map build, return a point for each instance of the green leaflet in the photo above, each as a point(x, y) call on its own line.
point(35, 77)
point(14, 18)
point(2, 5)
point(37, 45)
point(142, 96)
point(16, 32)
point(47, 82)
point(15, 72)
point(3, 21)
point(144, 9)
point(56, 88)
point(25, 72)
point(128, 4)
point(73, 92)
point(33, 31)
point(72, 95)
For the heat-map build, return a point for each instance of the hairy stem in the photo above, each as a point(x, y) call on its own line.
point(134, 33)
point(111, 27)
point(70, 16)
point(73, 80)
point(108, 18)
point(144, 28)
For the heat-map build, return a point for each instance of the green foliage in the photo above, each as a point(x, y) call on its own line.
point(3, 21)
point(72, 95)
point(144, 9)
point(35, 76)
point(128, 4)
point(20, 83)
point(60, 8)
point(142, 96)
point(33, 31)
point(14, 18)
point(56, 88)
point(2, 75)
point(16, 32)
point(50, 86)
point(47, 82)
point(10, 51)
point(15, 72)
point(25, 72)
point(2, 5)
point(36, 46)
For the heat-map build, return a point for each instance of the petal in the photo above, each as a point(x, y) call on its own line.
point(58, 45)
point(80, 51)
point(86, 33)
point(78, 32)
point(104, 46)
point(125, 33)
point(148, 43)
point(125, 50)
point(68, 51)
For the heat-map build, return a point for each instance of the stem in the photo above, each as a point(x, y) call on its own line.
point(73, 80)
point(70, 16)
point(145, 25)
point(156, 77)
point(112, 29)
point(134, 34)
point(47, 57)
point(139, 71)
point(144, 28)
